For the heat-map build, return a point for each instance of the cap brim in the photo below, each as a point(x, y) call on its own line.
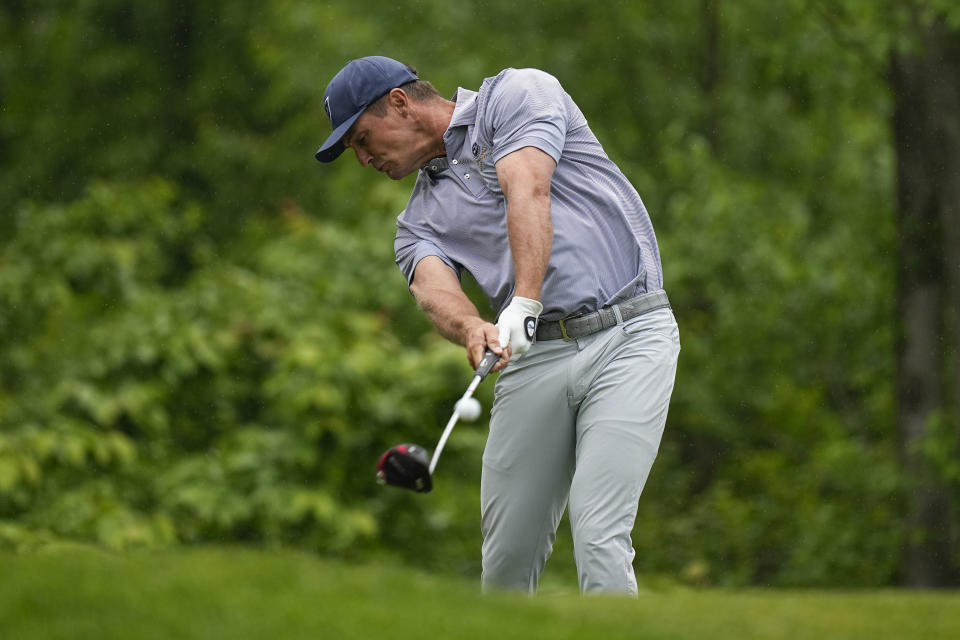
point(332, 148)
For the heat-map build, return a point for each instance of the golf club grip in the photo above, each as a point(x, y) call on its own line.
point(489, 360)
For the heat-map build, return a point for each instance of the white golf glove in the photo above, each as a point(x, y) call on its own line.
point(518, 324)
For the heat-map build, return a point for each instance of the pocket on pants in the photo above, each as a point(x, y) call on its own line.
point(660, 321)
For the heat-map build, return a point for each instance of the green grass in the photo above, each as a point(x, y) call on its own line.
point(237, 593)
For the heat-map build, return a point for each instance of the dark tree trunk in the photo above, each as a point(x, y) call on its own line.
point(926, 126)
point(710, 69)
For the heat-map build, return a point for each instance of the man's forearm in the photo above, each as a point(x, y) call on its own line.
point(531, 239)
point(437, 290)
point(451, 312)
point(525, 176)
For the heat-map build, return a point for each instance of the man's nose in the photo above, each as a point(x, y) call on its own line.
point(363, 157)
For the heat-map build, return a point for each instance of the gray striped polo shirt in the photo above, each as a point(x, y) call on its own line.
point(604, 248)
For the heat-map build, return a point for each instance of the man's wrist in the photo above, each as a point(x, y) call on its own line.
point(528, 294)
point(468, 326)
point(530, 306)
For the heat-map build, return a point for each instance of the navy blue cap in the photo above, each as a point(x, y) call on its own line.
point(355, 87)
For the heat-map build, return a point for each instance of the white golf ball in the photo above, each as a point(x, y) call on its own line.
point(468, 409)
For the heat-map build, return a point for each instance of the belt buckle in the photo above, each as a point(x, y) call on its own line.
point(563, 327)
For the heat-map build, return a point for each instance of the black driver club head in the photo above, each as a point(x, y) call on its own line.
point(405, 466)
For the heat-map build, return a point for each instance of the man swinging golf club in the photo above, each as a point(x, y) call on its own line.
point(514, 187)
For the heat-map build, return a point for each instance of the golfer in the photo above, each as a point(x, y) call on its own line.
point(514, 188)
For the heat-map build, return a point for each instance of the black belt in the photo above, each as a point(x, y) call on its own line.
point(584, 324)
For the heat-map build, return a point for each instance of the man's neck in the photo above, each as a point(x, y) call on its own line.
point(436, 119)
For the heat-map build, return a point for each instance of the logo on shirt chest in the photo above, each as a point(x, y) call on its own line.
point(479, 154)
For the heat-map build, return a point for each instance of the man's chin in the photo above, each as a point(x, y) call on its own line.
point(398, 173)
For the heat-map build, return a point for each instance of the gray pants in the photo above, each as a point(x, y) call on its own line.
point(576, 421)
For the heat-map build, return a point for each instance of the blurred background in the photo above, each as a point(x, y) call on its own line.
point(204, 338)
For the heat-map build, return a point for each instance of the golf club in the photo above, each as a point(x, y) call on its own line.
point(406, 466)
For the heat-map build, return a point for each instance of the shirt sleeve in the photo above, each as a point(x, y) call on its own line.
point(526, 108)
point(410, 249)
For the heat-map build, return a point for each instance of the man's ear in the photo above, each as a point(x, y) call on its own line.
point(399, 100)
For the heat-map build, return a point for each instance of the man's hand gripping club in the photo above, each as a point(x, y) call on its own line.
point(514, 333)
point(517, 325)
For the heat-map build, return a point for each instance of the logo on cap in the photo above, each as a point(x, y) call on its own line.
point(326, 107)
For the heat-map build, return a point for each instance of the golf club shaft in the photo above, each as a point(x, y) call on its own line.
point(443, 440)
point(489, 360)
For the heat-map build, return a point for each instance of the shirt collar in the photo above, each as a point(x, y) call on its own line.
point(466, 110)
point(464, 114)
point(436, 166)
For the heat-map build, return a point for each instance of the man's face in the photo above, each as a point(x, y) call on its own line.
point(392, 144)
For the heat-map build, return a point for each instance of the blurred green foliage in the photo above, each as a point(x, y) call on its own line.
point(203, 336)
